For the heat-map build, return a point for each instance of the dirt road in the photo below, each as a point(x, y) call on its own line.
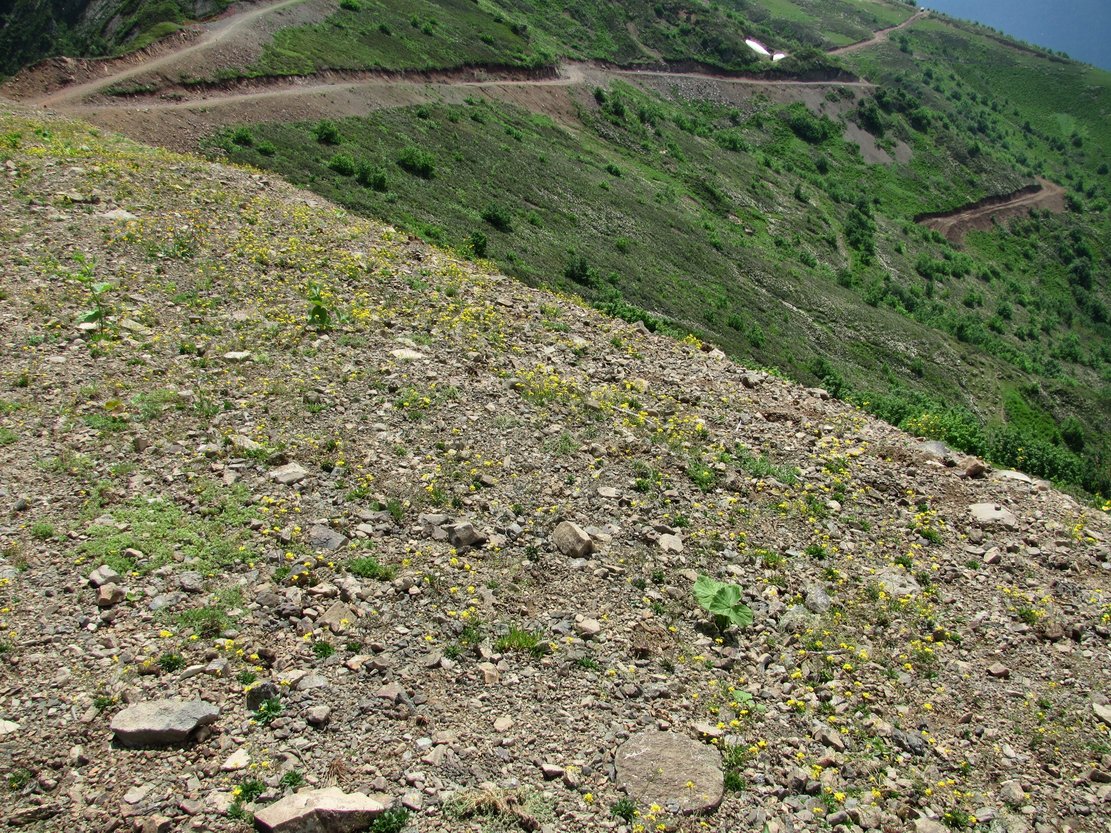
point(880, 36)
point(215, 33)
point(983, 214)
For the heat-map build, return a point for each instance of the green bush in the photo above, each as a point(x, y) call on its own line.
point(371, 176)
point(327, 133)
point(417, 162)
point(808, 127)
point(478, 243)
point(368, 567)
point(342, 164)
point(498, 217)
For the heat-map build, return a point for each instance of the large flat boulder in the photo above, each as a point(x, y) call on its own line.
point(327, 810)
point(671, 770)
point(993, 515)
point(162, 722)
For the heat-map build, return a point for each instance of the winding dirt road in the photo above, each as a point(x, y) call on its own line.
point(78, 97)
point(954, 225)
point(215, 33)
point(880, 36)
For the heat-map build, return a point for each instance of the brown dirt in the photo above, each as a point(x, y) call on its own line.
point(178, 119)
point(984, 214)
point(230, 41)
point(880, 36)
point(178, 115)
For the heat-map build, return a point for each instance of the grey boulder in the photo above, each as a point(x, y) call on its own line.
point(162, 722)
point(671, 770)
point(328, 810)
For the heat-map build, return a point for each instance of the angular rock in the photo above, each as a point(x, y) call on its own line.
point(925, 824)
point(999, 671)
point(393, 692)
point(993, 515)
point(898, 582)
point(911, 742)
point(1102, 712)
point(670, 543)
point(260, 694)
point(671, 770)
point(571, 540)
point(938, 451)
point(1011, 792)
point(325, 538)
point(818, 600)
point(191, 582)
point(162, 722)
point(318, 716)
point(289, 474)
point(464, 535)
point(1010, 474)
point(830, 737)
point(328, 810)
point(236, 761)
point(110, 595)
point(587, 627)
point(339, 617)
point(7, 727)
point(310, 681)
point(103, 575)
point(975, 468)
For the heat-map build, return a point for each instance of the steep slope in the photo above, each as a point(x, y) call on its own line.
point(772, 215)
point(323, 457)
point(38, 29)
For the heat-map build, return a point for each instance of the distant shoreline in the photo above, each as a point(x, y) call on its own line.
point(1080, 28)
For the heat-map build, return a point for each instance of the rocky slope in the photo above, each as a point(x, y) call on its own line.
point(376, 521)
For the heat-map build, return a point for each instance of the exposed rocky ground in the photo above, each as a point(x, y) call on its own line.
point(389, 533)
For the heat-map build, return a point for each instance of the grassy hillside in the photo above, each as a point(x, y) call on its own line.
point(760, 227)
point(37, 29)
point(425, 34)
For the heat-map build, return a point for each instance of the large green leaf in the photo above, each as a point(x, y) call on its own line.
point(722, 600)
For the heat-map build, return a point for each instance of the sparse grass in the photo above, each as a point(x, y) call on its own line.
point(206, 621)
point(171, 662)
point(291, 780)
point(368, 567)
point(500, 810)
point(43, 531)
point(393, 820)
point(519, 639)
point(269, 710)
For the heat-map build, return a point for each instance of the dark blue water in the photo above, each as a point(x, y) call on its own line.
point(1082, 28)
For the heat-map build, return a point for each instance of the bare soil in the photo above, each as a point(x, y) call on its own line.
point(881, 36)
point(984, 214)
